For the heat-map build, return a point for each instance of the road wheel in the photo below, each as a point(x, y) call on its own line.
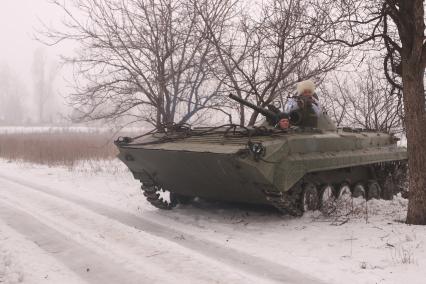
point(326, 196)
point(358, 190)
point(373, 190)
point(309, 197)
point(389, 188)
point(344, 192)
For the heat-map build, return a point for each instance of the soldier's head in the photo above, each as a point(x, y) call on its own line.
point(305, 88)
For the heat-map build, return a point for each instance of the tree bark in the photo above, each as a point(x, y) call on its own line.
point(411, 30)
point(253, 118)
point(414, 103)
point(242, 115)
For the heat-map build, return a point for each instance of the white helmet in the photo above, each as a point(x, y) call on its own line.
point(307, 85)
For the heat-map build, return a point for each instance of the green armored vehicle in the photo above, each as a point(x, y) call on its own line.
point(296, 169)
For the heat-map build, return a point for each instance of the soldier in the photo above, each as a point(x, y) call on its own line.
point(305, 95)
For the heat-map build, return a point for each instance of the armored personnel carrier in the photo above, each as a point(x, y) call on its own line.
point(296, 169)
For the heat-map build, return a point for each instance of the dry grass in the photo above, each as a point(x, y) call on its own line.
point(62, 148)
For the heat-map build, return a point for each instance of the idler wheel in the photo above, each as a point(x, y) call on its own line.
point(326, 196)
point(159, 197)
point(373, 190)
point(309, 197)
point(358, 190)
point(344, 193)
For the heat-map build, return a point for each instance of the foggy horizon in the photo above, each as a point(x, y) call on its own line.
point(19, 23)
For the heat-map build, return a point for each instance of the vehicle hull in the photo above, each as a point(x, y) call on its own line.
point(225, 169)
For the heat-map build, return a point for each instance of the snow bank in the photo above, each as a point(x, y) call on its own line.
point(10, 272)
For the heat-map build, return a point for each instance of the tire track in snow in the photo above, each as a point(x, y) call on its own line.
point(253, 265)
point(87, 264)
point(139, 251)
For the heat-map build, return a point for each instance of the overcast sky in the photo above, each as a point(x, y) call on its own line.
point(19, 20)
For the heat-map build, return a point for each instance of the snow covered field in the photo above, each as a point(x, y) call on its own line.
point(62, 129)
point(92, 225)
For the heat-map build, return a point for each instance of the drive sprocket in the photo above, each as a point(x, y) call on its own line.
point(159, 197)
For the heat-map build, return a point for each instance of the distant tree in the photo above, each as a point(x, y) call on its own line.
point(43, 74)
point(12, 95)
point(141, 60)
point(39, 78)
point(265, 51)
point(364, 100)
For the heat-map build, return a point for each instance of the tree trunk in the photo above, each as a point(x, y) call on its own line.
point(411, 30)
point(159, 120)
point(242, 115)
point(415, 119)
point(253, 118)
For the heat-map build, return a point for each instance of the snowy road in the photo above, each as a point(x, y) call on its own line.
point(102, 244)
point(91, 224)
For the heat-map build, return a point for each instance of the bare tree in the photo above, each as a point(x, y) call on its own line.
point(143, 60)
point(333, 102)
point(395, 27)
point(44, 74)
point(264, 55)
point(39, 78)
point(364, 100)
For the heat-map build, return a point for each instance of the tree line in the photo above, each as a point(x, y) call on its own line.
point(33, 101)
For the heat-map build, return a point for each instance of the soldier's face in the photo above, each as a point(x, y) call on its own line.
point(284, 123)
point(307, 93)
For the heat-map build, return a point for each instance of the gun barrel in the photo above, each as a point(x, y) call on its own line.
point(265, 112)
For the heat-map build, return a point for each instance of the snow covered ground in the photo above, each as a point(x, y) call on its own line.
point(92, 225)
